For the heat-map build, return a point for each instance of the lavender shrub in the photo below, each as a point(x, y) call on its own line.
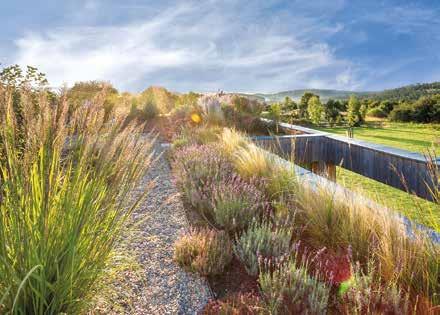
point(198, 168)
point(262, 241)
point(236, 203)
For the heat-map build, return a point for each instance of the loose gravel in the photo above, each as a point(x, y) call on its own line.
point(158, 285)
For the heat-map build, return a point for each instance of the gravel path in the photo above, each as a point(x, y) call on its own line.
point(158, 285)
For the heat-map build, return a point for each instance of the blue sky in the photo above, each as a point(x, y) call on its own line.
point(250, 46)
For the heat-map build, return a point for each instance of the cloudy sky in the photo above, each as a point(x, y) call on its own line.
point(234, 45)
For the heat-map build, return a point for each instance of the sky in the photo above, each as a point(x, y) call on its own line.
point(232, 45)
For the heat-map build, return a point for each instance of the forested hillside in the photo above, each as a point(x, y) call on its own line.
point(408, 93)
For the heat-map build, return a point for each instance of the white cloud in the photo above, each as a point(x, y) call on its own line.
point(192, 46)
point(406, 18)
point(91, 5)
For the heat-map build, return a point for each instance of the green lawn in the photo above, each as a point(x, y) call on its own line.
point(412, 137)
point(408, 136)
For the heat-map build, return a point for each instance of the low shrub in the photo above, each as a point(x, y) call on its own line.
point(253, 124)
point(236, 203)
point(289, 289)
point(149, 111)
point(246, 105)
point(401, 113)
point(206, 252)
point(197, 167)
point(245, 116)
point(214, 117)
point(179, 143)
point(259, 242)
point(364, 293)
point(377, 112)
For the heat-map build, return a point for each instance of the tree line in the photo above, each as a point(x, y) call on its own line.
point(415, 103)
point(353, 112)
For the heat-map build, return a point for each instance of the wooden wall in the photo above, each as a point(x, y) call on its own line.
point(401, 169)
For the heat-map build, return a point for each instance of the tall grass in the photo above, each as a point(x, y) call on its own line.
point(410, 260)
point(64, 198)
point(231, 140)
point(326, 218)
point(252, 161)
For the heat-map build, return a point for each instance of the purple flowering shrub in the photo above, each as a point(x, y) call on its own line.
point(198, 168)
point(236, 203)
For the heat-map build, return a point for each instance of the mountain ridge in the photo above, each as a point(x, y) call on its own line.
point(404, 93)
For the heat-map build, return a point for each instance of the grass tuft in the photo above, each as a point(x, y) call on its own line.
point(65, 178)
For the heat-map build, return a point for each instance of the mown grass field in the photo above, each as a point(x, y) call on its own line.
point(413, 137)
point(408, 136)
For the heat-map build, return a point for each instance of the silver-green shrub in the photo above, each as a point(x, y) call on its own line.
point(261, 241)
point(289, 289)
point(236, 203)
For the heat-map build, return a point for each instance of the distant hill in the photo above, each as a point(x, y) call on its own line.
point(406, 93)
point(324, 94)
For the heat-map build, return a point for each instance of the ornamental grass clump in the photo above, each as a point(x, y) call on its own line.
point(197, 168)
point(231, 140)
point(205, 251)
point(262, 241)
point(236, 203)
point(289, 289)
point(65, 179)
point(252, 161)
point(410, 260)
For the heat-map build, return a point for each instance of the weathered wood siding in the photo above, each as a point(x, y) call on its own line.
point(401, 169)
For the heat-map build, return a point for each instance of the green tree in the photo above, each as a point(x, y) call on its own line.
point(427, 109)
point(332, 111)
point(387, 106)
point(304, 103)
point(275, 114)
point(363, 111)
point(315, 110)
point(289, 104)
point(354, 117)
